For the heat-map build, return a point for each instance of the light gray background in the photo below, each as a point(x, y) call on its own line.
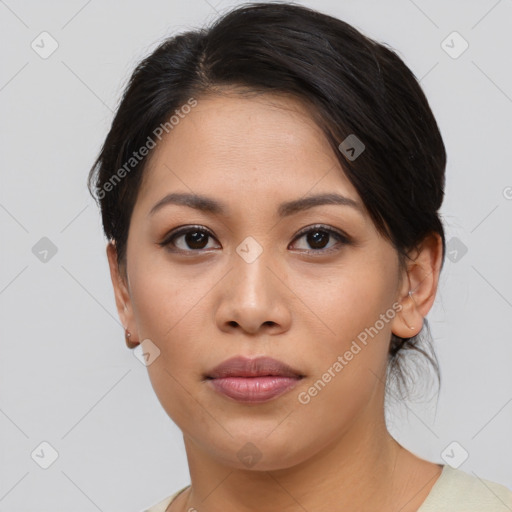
point(66, 376)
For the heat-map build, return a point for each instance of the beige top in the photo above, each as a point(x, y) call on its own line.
point(454, 491)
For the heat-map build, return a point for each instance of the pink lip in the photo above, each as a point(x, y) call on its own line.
point(253, 380)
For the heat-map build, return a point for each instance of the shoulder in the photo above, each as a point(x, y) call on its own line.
point(458, 491)
point(161, 506)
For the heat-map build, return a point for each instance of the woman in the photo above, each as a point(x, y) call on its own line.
point(270, 188)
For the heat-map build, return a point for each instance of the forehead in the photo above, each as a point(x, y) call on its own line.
point(264, 143)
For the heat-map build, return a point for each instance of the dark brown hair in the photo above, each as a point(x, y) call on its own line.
point(351, 84)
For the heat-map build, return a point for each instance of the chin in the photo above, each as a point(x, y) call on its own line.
point(257, 453)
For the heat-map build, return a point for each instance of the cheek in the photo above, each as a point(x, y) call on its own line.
point(349, 363)
point(348, 367)
point(352, 303)
point(163, 298)
point(168, 311)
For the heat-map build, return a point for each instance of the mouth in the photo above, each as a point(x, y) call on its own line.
point(253, 380)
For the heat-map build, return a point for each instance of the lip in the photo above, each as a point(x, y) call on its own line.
point(253, 380)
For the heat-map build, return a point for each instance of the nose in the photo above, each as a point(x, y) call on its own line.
point(253, 298)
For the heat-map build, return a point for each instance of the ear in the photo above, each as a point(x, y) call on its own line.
point(122, 296)
point(419, 286)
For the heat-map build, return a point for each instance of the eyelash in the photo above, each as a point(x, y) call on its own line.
point(338, 235)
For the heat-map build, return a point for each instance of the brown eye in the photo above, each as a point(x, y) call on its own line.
point(191, 239)
point(318, 239)
point(196, 239)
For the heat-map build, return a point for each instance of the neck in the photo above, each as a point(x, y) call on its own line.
point(363, 469)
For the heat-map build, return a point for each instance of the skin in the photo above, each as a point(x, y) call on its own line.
point(203, 306)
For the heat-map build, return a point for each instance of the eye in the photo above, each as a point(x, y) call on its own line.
point(318, 238)
point(187, 239)
point(190, 239)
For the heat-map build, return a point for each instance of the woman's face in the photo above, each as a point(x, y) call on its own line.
point(254, 277)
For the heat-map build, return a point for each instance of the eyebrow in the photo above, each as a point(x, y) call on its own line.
point(210, 205)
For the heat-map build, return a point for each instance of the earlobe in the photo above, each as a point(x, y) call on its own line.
point(128, 339)
point(419, 286)
point(409, 321)
point(122, 296)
